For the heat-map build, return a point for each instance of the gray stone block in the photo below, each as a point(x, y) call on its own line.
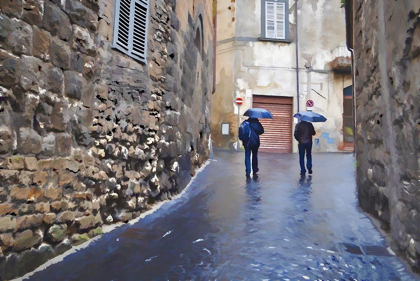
point(41, 44)
point(60, 53)
point(74, 84)
point(20, 39)
point(56, 21)
point(29, 142)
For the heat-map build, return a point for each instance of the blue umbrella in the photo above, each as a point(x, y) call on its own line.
point(258, 113)
point(310, 116)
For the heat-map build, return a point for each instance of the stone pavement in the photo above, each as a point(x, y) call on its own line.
point(276, 227)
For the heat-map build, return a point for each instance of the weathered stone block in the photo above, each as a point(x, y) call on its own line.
point(26, 209)
point(42, 208)
point(6, 140)
point(125, 216)
point(5, 30)
point(20, 193)
point(58, 206)
point(60, 53)
point(49, 218)
point(67, 216)
point(56, 21)
point(29, 142)
point(79, 239)
point(20, 39)
point(63, 144)
point(16, 162)
point(26, 178)
point(63, 246)
point(74, 84)
point(35, 195)
point(25, 240)
point(53, 193)
point(83, 41)
point(57, 232)
point(33, 11)
point(95, 232)
point(58, 120)
point(41, 44)
point(13, 8)
point(40, 178)
point(89, 221)
point(10, 69)
point(81, 15)
point(31, 163)
point(8, 209)
point(30, 221)
point(55, 80)
point(6, 239)
point(48, 145)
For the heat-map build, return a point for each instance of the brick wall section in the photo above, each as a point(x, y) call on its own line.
point(89, 136)
point(387, 85)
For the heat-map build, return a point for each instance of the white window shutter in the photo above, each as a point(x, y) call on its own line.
point(275, 20)
point(270, 20)
point(131, 26)
point(280, 21)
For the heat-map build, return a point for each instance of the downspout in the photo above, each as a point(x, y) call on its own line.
point(214, 43)
point(297, 57)
point(349, 39)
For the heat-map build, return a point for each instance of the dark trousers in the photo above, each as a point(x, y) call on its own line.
point(248, 152)
point(305, 147)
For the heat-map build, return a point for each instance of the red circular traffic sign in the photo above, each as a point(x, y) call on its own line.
point(239, 101)
point(310, 103)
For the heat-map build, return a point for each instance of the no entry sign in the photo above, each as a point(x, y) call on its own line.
point(239, 101)
point(310, 103)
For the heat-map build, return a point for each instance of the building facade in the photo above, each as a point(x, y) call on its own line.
point(259, 44)
point(385, 36)
point(104, 110)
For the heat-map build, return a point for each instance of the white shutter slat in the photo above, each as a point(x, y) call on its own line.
point(140, 29)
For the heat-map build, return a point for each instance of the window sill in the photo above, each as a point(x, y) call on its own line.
point(275, 40)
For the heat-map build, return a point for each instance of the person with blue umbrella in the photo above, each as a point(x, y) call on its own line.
point(249, 132)
point(304, 131)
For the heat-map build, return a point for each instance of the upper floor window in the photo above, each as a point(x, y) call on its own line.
point(130, 29)
point(275, 19)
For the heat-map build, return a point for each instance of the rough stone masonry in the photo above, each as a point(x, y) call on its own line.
point(387, 87)
point(89, 136)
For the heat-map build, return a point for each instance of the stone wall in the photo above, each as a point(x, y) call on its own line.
point(89, 136)
point(387, 85)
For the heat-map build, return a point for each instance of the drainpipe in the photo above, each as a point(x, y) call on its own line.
point(297, 56)
point(214, 44)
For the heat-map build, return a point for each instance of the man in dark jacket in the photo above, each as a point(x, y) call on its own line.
point(251, 145)
point(303, 134)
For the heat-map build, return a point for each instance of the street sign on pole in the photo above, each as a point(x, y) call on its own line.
point(310, 103)
point(239, 101)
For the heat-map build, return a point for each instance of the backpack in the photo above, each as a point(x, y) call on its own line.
point(244, 131)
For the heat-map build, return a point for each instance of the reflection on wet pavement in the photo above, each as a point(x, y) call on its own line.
point(277, 226)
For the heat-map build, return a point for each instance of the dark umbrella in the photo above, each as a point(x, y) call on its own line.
point(258, 113)
point(310, 116)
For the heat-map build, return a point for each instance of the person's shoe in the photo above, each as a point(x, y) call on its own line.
point(302, 174)
point(310, 171)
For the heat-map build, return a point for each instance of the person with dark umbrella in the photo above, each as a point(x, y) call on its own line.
point(303, 134)
point(304, 131)
point(249, 132)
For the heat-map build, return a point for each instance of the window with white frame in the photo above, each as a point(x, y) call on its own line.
point(275, 19)
point(130, 29)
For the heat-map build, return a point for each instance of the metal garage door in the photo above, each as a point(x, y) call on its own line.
point(278, 131)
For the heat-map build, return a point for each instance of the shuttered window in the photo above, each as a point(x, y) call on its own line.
point(130, 30)
point(275, 19)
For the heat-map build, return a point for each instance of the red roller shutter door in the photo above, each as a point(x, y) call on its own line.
point(278, 131)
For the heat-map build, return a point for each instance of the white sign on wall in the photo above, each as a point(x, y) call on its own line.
point(225, 129)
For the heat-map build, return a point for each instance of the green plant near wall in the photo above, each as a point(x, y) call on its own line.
point(342, 3)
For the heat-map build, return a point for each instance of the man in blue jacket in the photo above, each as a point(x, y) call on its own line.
point(252, 129)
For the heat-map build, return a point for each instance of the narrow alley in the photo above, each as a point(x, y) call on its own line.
point(278, 226)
